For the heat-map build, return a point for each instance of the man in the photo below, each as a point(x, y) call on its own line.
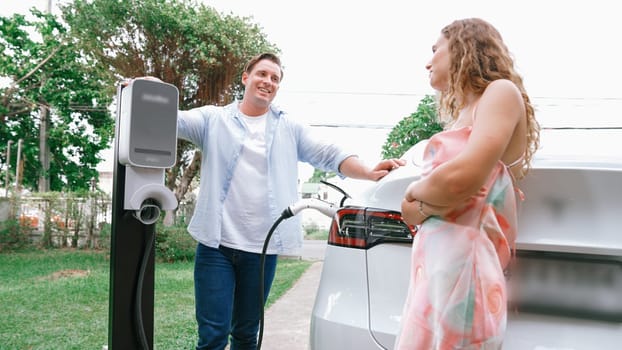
point(249, 170)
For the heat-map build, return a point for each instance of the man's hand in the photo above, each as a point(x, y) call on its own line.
point(384, 167)
point(127, 81)
point(354, 168)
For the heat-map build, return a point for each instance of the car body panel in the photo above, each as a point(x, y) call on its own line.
point(542, 332)
point(387, 284)
point(572, 208)
point(340, 313)
point(573, 195)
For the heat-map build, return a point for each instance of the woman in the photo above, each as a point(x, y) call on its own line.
point(466, 200)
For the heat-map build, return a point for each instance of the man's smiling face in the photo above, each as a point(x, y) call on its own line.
point(262, 83)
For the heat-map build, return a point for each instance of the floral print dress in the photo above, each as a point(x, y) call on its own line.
point(457, 293)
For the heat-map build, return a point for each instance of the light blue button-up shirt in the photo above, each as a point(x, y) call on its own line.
point(219, 133)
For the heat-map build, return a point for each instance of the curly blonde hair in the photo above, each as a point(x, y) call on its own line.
point(479, 56)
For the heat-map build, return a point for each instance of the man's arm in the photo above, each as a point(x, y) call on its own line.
point(354, 168)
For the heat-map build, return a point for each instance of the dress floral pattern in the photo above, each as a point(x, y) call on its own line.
point(457, 293)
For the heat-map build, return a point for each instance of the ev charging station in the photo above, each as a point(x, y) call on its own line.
point(145, 145)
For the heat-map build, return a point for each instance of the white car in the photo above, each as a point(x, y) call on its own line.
point(569, 251)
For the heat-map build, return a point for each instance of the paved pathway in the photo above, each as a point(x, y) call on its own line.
point(287, 321)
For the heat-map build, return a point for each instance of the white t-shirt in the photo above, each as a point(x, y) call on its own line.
point(245, 211)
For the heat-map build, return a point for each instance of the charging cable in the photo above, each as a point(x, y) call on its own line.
point(138, 312)
point(147, 215)
point(325, 208)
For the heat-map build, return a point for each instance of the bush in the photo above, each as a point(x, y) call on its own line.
point(174, 243)
point(13, 236)
point(409, 131)
point(313, 231)
point(105, 233)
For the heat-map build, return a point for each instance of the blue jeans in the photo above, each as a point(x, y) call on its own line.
point(226, 289)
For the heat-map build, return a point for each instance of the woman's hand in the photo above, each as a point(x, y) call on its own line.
point(411, 214)
point(416, 212)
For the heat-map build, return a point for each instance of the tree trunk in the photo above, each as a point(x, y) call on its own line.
point(189, 173)
point(184, 184)
point(169, 218)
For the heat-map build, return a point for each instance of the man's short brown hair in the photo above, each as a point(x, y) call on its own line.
point(263, 56)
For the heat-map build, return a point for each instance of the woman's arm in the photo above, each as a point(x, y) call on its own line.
point(498, 113)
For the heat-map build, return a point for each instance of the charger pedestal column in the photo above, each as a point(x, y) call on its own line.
point(145, 145)
point(129, 239)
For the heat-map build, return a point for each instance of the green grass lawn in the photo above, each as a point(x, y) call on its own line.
point(58, 299)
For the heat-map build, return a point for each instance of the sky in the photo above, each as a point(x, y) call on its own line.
point(564, 50)
point(359, 52)
point(383, 46)
point(352, 62)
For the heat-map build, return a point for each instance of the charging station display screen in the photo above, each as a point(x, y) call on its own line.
point(152, 130)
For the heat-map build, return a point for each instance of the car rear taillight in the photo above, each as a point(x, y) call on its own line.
point(363, 228)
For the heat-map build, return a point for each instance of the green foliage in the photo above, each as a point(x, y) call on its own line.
point(13, 236)
point(45, 70)
point(50, 201)
point(71, 70)
point(174, 243)
point(313, 231)
point(319, 175)
point(105, 234)
point(189, 45)
point(56, 220)
point(418, 126)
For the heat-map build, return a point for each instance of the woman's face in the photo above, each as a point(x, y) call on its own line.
point(439, 64)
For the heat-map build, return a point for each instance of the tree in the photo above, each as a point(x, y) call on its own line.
point(418, 126)
point(44, 70)
point(191, 46)
point(320, 175)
